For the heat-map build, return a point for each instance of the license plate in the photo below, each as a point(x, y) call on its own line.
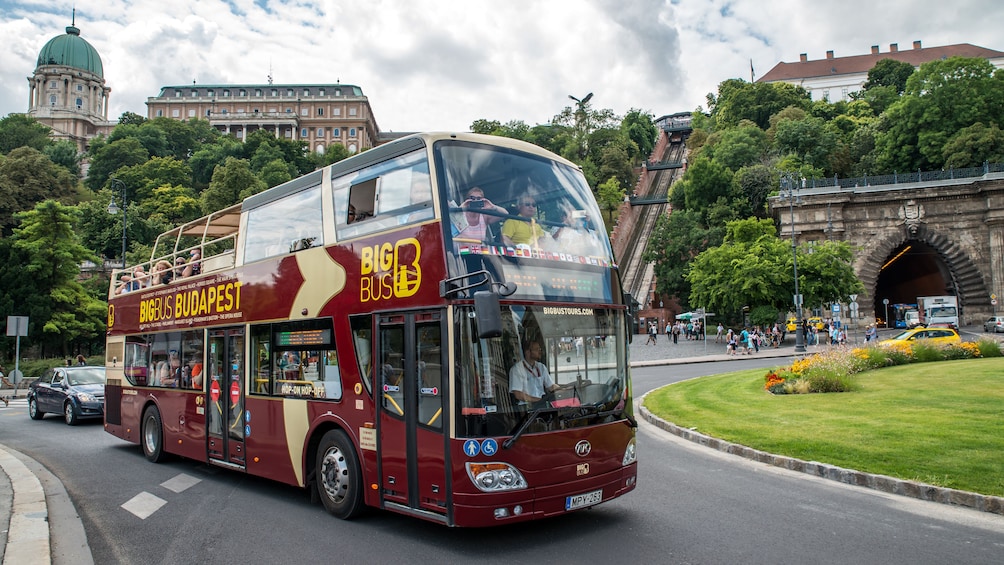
point(583, 500)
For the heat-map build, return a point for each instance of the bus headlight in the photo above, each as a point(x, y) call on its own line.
point(493, 477)
point(630, 456)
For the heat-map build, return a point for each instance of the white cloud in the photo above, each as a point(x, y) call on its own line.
point(441, 64)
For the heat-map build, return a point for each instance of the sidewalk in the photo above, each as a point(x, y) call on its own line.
point(665, 352)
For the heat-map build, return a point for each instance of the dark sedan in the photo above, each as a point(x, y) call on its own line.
point(74, 392)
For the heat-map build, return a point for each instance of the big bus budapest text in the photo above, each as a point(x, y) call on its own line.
point(434, 327)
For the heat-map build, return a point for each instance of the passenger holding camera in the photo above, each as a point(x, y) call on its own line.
point(477, 221)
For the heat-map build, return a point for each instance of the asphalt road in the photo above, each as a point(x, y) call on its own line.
point(692, 505)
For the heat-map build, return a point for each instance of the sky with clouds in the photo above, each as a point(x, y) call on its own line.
point(441, 64)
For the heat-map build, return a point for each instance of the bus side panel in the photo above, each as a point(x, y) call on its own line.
point(268, 454)
point(184, 423)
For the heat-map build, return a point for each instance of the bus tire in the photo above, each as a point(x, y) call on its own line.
point(152, 435)
point(338, 476)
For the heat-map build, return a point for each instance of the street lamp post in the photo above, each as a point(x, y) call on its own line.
point(792, 184)
point(113, 209)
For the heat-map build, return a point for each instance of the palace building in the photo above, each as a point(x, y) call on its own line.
point(319, 114)
point(67, 91)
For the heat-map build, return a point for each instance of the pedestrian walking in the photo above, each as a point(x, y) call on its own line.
point(721, 333)
point(652, 333)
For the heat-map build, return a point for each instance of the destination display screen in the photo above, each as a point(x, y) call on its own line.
point(303, 338)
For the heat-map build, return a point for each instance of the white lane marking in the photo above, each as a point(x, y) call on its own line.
point(144, 504)
point(180, 483)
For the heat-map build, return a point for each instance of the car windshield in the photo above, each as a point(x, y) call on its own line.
point(89, 376)
point(903, 335)
point(582, 350)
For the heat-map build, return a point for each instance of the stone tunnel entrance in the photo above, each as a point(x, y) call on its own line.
point(913, 269)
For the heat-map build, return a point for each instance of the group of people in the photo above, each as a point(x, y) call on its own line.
point(691, 330)
point(571, 235)
point(749, 340)
point(163, 273)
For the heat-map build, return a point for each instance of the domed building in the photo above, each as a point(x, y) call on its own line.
point(67, 92)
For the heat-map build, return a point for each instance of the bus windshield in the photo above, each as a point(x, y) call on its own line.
point(575, 349)
point(509, 211)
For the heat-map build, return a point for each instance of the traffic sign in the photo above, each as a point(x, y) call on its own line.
point(854, 297)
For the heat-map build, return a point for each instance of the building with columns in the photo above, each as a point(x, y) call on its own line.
point(319, 114)
point(67, 91)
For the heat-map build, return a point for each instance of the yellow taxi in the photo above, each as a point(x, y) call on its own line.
point(817, 322)
point(924, 335)
point(792, 324)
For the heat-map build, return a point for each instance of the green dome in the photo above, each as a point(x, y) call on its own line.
point(72, 51)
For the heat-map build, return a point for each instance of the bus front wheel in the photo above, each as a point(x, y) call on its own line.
point(338, 477)
point(152, 435)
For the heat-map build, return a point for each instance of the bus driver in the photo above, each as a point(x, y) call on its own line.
point(529, 379)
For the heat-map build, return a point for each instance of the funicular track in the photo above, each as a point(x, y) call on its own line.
point(638, 273)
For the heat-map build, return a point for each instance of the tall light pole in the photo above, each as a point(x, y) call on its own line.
point(113, 209)
point(790, 184)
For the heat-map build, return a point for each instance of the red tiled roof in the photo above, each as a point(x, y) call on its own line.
point(863, 63)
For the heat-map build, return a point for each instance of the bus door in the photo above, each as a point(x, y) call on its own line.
point(413, 412)
point(225, 396)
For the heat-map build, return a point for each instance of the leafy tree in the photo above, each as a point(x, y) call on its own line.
point(809, 138)
point(293, 152)
point(739, 100)
point(28, 177)
point(754, 267)
point(274, 173)
point(333, 154)
point(640, 128)
point(60, 307)
point(581, 121)
point(889, 73)
point(149, 135)
point(131, 118)
point(171, 205)
point(205, 160)
point(973, 145)
point(64, 153)
point(737, 147)
point(704, 182)
point(754, 184)
point(21, 130)
point(746, 270)
point(183, 138)
point(485, 127)
point(232, 182)
point(112, 156)
point(143, 178)
point(610, 197)
point(941, 98)
point(676, 239)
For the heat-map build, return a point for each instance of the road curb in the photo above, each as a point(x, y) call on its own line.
point(883, 483)
point(28, 532)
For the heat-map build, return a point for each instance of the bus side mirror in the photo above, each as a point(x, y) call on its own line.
point(629, 328)
point(489, 314)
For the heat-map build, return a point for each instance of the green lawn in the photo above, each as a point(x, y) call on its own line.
point(940, 423)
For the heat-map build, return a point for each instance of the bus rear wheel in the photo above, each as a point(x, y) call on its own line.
point(152, 435)
point(338, 477)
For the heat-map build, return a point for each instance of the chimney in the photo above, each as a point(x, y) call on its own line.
point(916, 44)
point(875, 50)
point(893, 47)
point(829, 54)
point(803, 58)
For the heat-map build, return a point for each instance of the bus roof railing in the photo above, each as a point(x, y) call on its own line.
point(214, 235)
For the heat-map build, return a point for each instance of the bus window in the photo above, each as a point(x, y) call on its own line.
point(285, 225)
point(392, 370)
point(261, 359)
point(383, 196)
point(362, 333)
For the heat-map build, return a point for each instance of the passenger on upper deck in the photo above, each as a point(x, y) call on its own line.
point(163, 273)
point(194, 265)
point(574, 236)
point(477, 221)
point(524, 231)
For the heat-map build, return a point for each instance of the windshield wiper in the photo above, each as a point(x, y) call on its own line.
point(620, 412)
point(530, 417)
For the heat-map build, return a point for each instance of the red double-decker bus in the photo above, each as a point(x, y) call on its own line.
point(434, 327)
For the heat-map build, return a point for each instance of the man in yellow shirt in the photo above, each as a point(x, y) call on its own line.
point(525, 232)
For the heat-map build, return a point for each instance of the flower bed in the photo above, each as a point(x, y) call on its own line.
point(833, 370)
